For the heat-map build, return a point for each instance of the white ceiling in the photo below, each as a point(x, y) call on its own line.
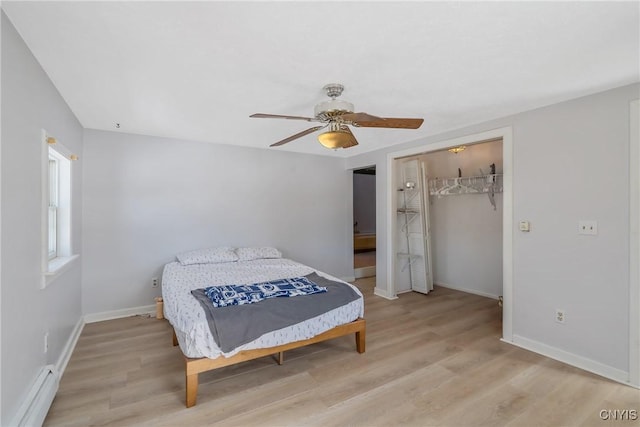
point(197, 70)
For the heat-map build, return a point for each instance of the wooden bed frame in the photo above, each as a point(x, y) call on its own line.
point(193, 367)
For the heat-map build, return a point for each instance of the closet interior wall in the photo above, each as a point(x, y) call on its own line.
point(466, 229)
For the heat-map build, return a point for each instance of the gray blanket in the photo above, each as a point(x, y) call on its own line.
point(236, 325)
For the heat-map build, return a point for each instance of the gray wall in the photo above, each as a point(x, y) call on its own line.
point(31, 103)
point(364, 202)
point(146, 199)
point(570, 162)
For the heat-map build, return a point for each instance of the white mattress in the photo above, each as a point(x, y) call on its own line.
point(188, 319)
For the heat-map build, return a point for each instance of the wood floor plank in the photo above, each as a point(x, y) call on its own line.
point(430, 360)
point(567, 403)
point(235, 407)
point(382, 405)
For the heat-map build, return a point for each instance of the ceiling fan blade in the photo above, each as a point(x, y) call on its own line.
point(357, 117)
point(297, 135)
point(390, 122)
point(278, 116)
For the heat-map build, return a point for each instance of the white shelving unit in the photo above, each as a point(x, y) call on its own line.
point(408, 214)
point(413, 261)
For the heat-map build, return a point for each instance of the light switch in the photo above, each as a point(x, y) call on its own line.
point(525, 226)
point(589, 227)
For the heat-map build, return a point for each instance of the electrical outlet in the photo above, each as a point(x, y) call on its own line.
point(46, 342)
point(560, 316)
point(588, 227)
point(154, 282)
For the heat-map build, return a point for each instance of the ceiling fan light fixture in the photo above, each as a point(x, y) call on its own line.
point(336, 138)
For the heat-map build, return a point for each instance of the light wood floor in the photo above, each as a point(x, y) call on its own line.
point(430, 360)
point(364, 259)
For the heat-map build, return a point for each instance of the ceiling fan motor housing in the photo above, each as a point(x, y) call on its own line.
point(332, 106)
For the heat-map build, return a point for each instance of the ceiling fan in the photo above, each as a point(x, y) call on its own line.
point(337, 115)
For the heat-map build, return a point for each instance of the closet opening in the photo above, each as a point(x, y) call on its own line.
point(364, 222)
point(450, 219)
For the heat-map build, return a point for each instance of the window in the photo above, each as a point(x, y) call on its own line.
point(56, 216)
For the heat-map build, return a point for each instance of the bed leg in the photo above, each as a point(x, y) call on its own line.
point(281, 358)
point(360, 340)
point(175, 338)
point(159, 308)
point(192, 389)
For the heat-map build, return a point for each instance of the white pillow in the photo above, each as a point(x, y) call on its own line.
point(248, 254)
point(208, 256)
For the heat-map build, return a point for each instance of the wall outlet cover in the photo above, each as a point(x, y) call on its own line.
point(588, 227)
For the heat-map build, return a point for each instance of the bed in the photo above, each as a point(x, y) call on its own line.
point(191, 324)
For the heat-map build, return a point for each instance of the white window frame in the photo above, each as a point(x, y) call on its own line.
point(57, 253)
point(54, 204)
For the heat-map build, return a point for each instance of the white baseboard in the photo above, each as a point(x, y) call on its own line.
point(63, 360)
point(348, 279)
point(36, 404)
point(469, 291)
point(117, 314)
point(383, 293)
point(572, 359)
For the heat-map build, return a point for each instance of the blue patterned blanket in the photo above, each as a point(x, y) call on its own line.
point(224, 296)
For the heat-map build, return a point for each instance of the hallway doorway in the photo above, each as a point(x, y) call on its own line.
point(364, 222)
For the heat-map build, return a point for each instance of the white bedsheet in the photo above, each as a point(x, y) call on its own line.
point(187, 317)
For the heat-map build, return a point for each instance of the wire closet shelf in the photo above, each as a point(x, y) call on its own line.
point(491, 183)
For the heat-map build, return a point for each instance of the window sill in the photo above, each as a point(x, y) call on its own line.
point(56, 267)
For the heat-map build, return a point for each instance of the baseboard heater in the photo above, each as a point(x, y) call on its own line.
point(36, 404)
